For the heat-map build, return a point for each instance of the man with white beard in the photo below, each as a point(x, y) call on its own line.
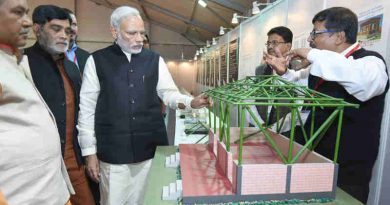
point(120, 122)
point(59, 81)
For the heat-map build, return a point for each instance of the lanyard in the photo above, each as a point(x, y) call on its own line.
point(75, 59)
point(321, 81)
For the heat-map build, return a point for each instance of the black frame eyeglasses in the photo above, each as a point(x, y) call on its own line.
point(314, 33)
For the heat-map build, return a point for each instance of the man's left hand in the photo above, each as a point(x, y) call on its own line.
point(200, 101)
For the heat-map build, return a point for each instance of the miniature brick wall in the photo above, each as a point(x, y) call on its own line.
point(225, 161)
point(313, 177)
point(263, 179)
point(222, 157)
point(230, 167)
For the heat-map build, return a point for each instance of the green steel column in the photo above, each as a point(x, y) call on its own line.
point(228, 128)
point(292, 133)
point(209, 111)
point(220, 120)
point(339, 125)
point(313, 111)
point(241, 135)
point(215, 118)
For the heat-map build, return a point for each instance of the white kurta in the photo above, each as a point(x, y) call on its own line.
point(31, 167)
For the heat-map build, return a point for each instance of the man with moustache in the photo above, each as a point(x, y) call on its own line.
point(74, 53)
point(31, 168)
point(341, 68)
point(279, 42)
point(120, 122)
point(58, 80)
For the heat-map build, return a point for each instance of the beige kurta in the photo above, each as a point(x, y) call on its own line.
point(31, 167)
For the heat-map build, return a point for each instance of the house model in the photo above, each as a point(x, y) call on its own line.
point(258, 163)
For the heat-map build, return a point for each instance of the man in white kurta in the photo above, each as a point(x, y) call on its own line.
point(31, 167)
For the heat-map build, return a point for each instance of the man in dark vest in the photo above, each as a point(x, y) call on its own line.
point(342, 69)
point(74, 53)
point(59, 81)
point(120, 121)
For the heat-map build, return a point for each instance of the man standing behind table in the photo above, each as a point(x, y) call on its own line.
point(31, 168)
point(74, 53)
point(342, 69)
point(278, 42)
point(58, 80)
point(120, 120)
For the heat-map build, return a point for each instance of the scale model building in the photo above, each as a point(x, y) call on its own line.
point(255, 163)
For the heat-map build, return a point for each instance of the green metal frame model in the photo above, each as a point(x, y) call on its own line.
point(277, 92)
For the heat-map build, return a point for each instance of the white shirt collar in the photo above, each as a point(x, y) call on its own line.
point(350, 48)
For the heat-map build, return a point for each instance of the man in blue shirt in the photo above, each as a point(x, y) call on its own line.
point(75, 54)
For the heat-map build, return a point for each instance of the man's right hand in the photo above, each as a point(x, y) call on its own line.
point(93, 167)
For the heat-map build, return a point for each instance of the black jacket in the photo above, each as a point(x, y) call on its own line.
point(128, 120)
point(48, 80)
point(82, 56)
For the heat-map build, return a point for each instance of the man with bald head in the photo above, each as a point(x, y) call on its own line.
point(31, 168)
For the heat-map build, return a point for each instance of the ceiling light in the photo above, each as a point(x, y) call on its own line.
point(221, 30)
point(214, 42)
point(236, 17)
point(202, 3)
point(197, 53)
point(207, 43)
point(201, 50)
point(255, 9)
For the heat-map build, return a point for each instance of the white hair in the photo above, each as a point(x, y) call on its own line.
point(121, 12)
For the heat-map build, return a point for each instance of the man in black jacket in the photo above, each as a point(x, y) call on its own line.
point(74, 53)
point(58, 80)
point(120, 123)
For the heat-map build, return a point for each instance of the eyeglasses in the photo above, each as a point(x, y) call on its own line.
point(273, 43)
point(314, 33)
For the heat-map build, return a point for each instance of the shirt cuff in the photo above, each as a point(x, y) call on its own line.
point(288, 74)
point(186, 101)
point(88, 151)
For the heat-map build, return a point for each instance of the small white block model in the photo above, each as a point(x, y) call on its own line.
point(165, 193)
point(173, 192)
point(179, 186)
point(172, 160)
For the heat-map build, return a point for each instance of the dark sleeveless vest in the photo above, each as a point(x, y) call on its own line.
point(361, 127)
point(128, 120)
point(360, 134)
point(48, 81)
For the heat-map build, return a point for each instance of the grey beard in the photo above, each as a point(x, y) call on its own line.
point(49, 49)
